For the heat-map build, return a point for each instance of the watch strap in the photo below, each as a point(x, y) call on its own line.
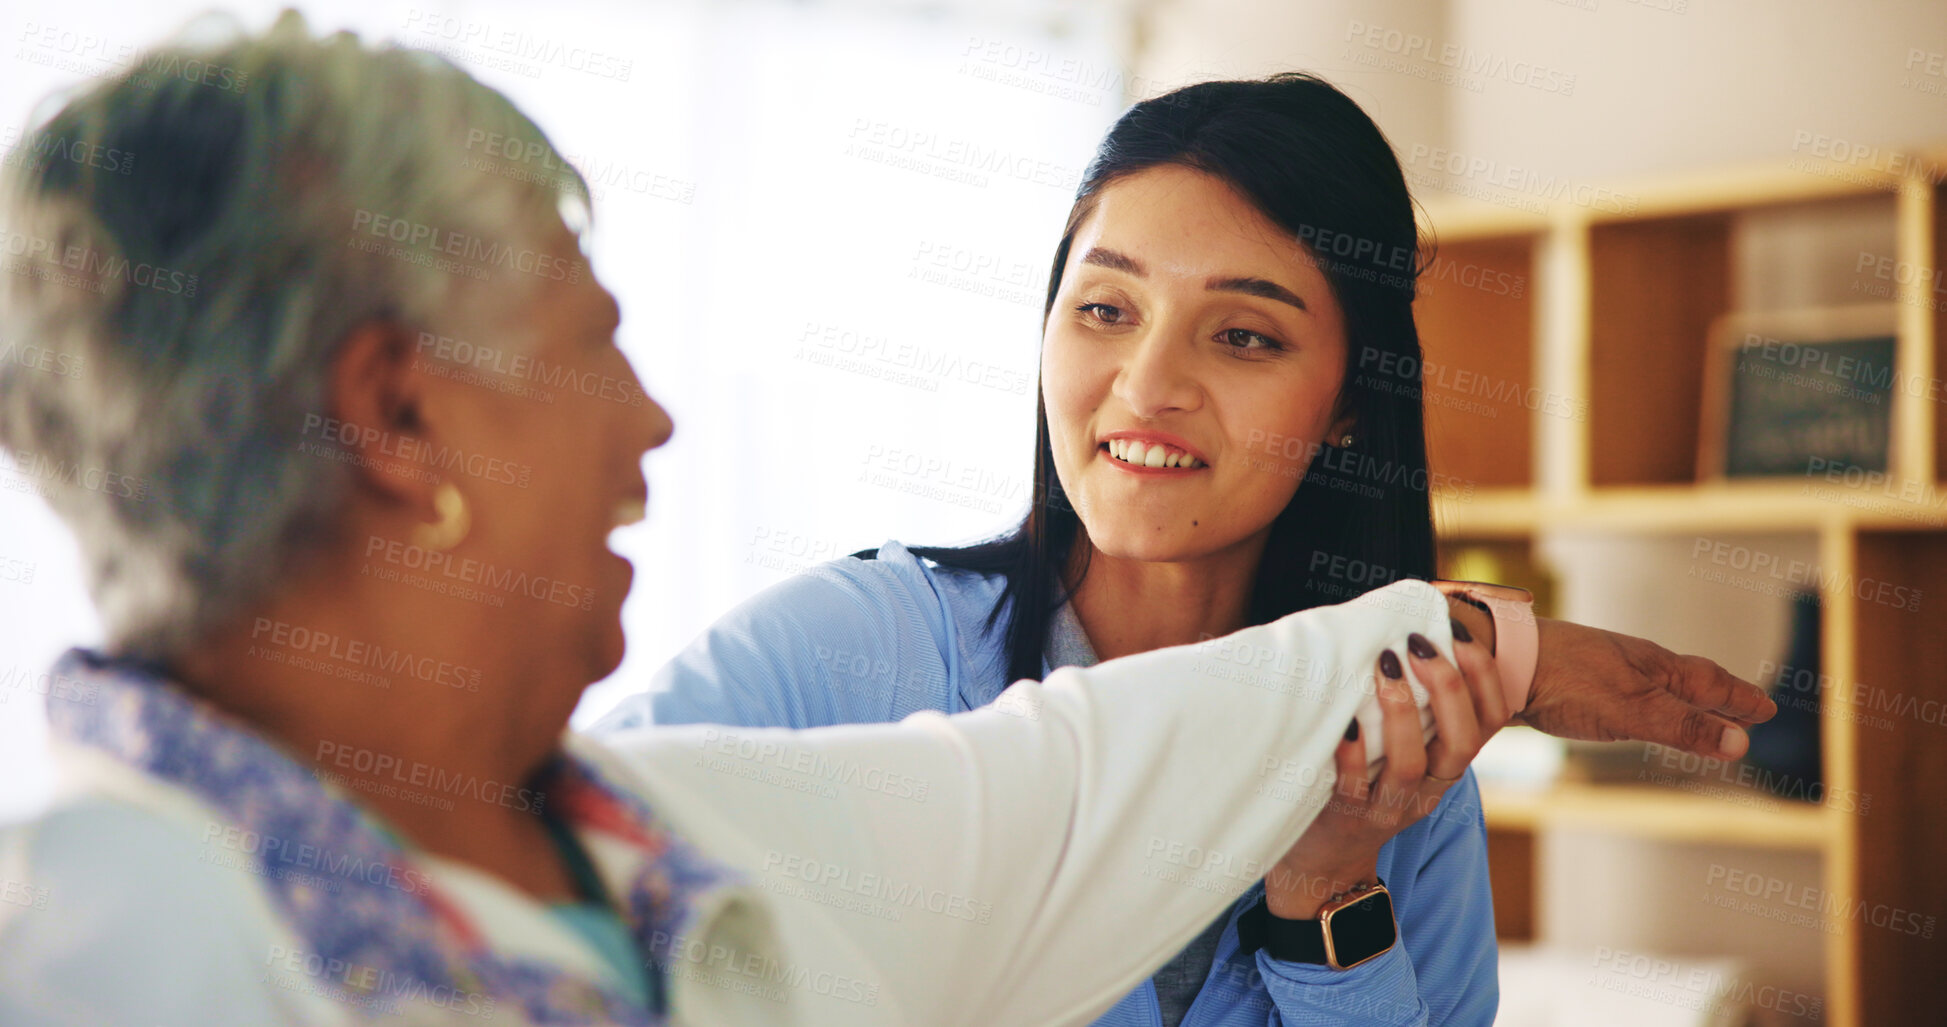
point(1294, 941)
point(1517, 647)
point(1517, 635)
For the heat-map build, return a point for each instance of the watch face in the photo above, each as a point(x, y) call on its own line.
point(1362, 930)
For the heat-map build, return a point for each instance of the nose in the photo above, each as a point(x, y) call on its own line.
point(1156, 378)
point(650, 426)
point(656, 424)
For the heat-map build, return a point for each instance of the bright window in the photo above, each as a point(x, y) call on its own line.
point(829, 226)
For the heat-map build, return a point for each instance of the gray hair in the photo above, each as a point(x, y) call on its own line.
point(183, 249)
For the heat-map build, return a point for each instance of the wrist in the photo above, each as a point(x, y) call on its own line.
point(1293, 893)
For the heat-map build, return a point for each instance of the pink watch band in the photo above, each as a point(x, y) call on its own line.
point(1517, 647)
point(1517, 636)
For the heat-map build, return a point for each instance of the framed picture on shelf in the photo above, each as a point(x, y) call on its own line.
point(1783, 389)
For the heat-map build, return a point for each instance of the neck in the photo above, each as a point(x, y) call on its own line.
point(1132, 606)
point(400, 698)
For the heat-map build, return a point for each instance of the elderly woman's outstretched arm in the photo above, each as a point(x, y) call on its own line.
point(1030, 861)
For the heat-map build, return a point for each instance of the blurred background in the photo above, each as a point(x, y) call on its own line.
point(829, 223)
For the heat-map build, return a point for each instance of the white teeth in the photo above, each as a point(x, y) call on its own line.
point(1132, 451)
point(629, 511)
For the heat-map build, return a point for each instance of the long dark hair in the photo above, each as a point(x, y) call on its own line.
point(1316, 165)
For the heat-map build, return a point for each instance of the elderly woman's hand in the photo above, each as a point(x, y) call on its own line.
point(1601, 686)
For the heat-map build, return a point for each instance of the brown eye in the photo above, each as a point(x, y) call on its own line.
point(1241, 338)
point(1102, 312)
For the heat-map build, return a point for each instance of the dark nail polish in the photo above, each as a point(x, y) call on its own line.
point(1417, 644)
point(1389, 665)
point(1461, 634)
point(1352, 732)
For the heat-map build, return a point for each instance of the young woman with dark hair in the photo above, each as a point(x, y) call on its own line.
point(1310, 162)
point(1213, 439)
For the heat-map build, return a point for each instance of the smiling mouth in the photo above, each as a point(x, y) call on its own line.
point(627, 512)
point(1137, 453)
point(623, 514)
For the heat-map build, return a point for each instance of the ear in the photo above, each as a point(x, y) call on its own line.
point(1345, 418)
point(1341, 428)
point(378, 401)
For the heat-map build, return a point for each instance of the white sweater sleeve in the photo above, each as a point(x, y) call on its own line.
point(1028, 862)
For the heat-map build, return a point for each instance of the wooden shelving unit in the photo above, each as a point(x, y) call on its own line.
point(1646, 811)
point(1603, 344)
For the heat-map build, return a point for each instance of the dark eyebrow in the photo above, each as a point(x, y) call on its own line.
point(1257, 287)
point(1112, 260)
point(1261, 287)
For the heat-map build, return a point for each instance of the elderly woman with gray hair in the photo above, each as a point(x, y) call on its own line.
point(319, 771)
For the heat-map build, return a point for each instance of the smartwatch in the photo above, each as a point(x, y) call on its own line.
point(1351, 929)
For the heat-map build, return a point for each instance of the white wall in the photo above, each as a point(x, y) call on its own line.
point(1183, 41)
point(1722, 82)
point(1591, 90)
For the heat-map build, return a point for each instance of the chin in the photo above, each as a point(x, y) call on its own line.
point(608, 650)
point(610, 643)
point(1146, 543)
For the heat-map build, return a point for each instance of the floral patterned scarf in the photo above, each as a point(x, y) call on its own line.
point(371, 920)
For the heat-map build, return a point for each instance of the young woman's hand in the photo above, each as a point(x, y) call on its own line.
point(1341, 848)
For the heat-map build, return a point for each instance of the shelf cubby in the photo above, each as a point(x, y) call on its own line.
point(1476, 318)
point(1656, 287)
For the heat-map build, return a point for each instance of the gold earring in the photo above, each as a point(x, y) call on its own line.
point(1346, 442)
point(454, 521)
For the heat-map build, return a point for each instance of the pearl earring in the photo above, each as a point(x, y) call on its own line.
point(454, 521)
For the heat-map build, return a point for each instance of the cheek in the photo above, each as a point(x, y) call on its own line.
point(1069, 388)
point(537, 463)
point(1280, 431)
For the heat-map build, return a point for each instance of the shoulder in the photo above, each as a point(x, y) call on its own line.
point(894, 604)
point(848, 640)
point(894, 588)
point(96, 856)
point(961, 597)
point(106, 849)
point(909, 612)
point(961, 607)
point(98, 888)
